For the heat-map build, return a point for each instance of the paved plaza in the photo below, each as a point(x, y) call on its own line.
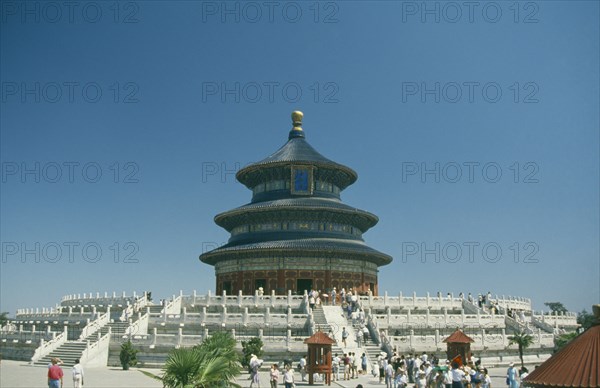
point(17, 374)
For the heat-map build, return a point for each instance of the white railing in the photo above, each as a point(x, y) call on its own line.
point(240, 300)
point(47, 347)
point(437, 320)
point(482, 341)
point(99, 299)
point(138, 327)
point(96, 353)
point(414, 301)
point(95, 325)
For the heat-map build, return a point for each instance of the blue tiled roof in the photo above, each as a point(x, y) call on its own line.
point(297, 247)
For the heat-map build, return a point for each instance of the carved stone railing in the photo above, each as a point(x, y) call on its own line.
point(47, 347)
point(95, 325)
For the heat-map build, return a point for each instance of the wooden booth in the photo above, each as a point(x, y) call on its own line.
point(458, 347)
point(319, 356)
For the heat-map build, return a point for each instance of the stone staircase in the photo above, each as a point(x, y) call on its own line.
point(67, 352)
point(322, 324)
point(370, 348)
point(72, 350)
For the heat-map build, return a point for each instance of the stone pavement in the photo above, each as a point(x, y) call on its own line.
point(17, 374)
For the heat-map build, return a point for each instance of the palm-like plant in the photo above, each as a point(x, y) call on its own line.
point(213, 363)
point(523, 341)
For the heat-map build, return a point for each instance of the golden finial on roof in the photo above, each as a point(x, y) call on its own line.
point(297, 119)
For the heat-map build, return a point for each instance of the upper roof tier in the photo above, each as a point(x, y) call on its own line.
point(296, 151)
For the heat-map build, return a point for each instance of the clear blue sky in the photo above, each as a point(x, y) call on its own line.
point(170, 94)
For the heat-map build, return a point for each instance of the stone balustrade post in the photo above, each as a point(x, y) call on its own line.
point(289, 298)
point(184, 314)
point(81, 310)
point(408, 316)
point(20, 328)
point(154, 335)
point(267, 315)
point(224, 315)
point(388, 312)
point(37, 310)
point(239, 298)
point(411, 338)
point(428, 298)
point(437, 337)
point(255, 298)
point(478, 317)
point(414, 298)
point(180, 336)
point(427, 317)
point(205, 335)
point(203, 315)
point(462, 316)
point(245, 316)
point(289, 315)
point(33, 328)
point(483, 338)
point(260, 333)
point(385, 298)
point(446, 315)
point(288, 339)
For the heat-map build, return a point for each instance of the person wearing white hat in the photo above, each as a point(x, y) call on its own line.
point(512, 376)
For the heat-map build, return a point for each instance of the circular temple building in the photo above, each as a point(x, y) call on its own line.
point(296, 234)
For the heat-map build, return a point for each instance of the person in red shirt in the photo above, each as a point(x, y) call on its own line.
point(55, 374)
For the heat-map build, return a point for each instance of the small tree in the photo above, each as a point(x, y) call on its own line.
point(556, 307)
point(563, 340)
point(254, 346)
point(128, 355)
point(523, 341)
point(4, 319)
point(585, 319)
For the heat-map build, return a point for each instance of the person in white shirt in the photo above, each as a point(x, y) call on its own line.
point(335, 365)
point(457, 376)
point(77, 375)
point(303, 368)
point(288, 377)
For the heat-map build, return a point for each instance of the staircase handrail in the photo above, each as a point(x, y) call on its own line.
point(94, 348)
point(138, 326)
point(542, 325)
point(95, 325)
point(47, 347)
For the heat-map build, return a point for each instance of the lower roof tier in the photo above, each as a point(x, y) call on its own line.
point(310, 247)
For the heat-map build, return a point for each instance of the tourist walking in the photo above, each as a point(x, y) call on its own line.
point(274, 375)
point(335, 365)
point(77, 375)
point(344, 336)
point(512, 376)
point(55, 375)
point(333, 296)
point(255, 364)
point(303, 368)
point(288, 377)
